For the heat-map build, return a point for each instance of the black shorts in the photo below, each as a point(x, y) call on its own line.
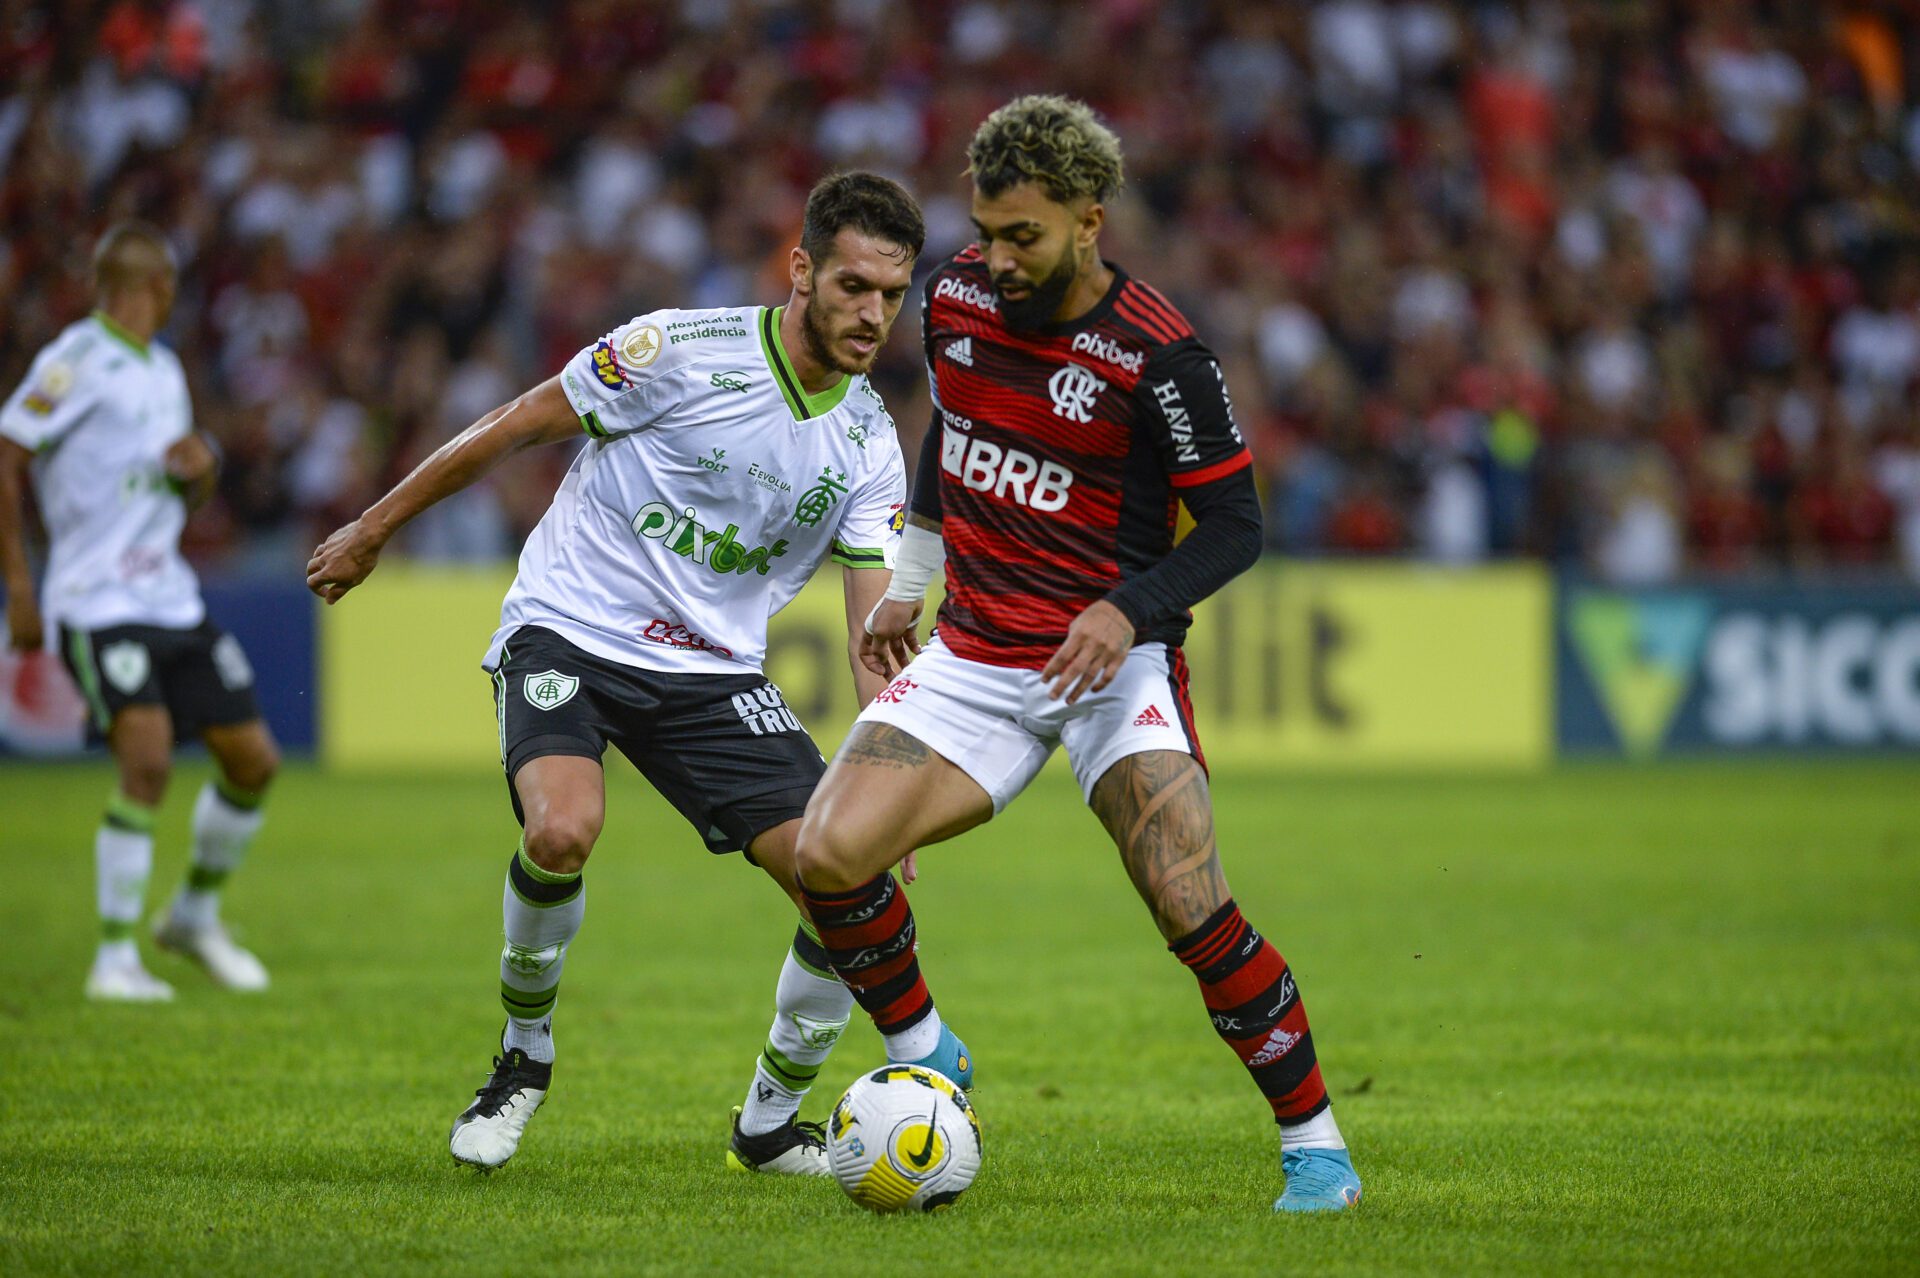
point(200, 675)
point(723, 749)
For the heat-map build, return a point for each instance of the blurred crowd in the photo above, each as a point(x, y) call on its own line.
point(1631, 286)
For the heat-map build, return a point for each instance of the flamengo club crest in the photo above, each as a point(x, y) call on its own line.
point(1074, 389)
point(549, 689)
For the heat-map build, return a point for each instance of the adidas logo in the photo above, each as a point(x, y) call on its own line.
point(1150, 718)
point(961, 352)
point(1278, 1044)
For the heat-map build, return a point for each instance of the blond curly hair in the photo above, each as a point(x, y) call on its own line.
point(1056, 142)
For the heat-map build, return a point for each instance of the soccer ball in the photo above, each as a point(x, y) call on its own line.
point(904, 1138)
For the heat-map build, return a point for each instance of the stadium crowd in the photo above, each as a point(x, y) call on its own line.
point(1629, 285)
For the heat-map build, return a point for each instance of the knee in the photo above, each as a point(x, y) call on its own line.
point(144, 780)
point(825, 857)
point(256, 771)
point(559, 842)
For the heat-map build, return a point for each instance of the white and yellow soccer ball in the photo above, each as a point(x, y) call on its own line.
point(904, 1138)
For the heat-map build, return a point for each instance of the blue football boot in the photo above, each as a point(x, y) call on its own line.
point(949, 1057)
point(1318, 1180)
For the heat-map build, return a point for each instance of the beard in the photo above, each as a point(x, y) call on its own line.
point(1039, 306)
point(813, 331)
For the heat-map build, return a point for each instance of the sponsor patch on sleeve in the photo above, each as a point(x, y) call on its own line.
point(606, 366)
point(55, 381)
point(640, 346)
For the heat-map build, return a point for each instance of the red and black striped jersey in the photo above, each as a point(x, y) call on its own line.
point(1063, 454)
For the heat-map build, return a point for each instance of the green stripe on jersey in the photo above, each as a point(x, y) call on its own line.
point(120, 334)
point(799, 402)
point(590, 422)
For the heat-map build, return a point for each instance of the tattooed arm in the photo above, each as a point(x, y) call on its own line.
point(1157, 808)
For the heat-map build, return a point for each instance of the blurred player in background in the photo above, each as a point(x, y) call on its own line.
point(731, 453)
point(1074, 410)
point(104, 425)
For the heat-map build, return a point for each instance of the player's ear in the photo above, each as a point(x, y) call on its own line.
point(1090, 223)
point(800, 271)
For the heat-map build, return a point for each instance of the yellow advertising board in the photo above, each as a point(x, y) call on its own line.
point(400, 681)
point(1313, 665)
point(1376, 666)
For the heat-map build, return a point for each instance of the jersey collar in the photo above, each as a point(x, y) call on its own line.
point(802, 405)
point(120, 333)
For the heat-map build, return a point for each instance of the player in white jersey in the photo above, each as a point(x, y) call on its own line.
point(732, 453)
point(104, 425)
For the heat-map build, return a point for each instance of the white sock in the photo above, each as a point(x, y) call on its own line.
point(541, 913)
point(535, 1038)
point(221, 832)
point(917, 1040)
point(1318, 1132)
point(811, 1011)
point(770, 1103)
point(122, 953)
point(122, 858)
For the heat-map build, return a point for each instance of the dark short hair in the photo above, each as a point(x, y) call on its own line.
point(867, 202)
point(1056, 142)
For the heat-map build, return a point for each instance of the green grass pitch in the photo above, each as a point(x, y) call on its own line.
point(1605, 1021)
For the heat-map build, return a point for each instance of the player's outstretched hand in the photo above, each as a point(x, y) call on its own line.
point(892, 638)
point(342, 562)
point(1097, 644)
point(25, 632)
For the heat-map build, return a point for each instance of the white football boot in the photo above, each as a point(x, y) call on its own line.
point(123, 982)
point(230, 966)
point(488, 1131)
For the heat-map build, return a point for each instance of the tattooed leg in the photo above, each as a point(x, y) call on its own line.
point(881, 745)
point(1158, 810)
point(885, 794)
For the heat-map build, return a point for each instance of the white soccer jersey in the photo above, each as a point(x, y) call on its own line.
point(713, 488)
point(99, 410)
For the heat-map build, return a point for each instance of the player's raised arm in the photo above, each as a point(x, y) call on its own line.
point(540, 416)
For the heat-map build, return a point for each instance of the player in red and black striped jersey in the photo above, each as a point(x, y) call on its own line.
point(1075, 411)
point(1063, 451)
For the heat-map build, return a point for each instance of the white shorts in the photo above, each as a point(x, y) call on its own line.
point(997, 724)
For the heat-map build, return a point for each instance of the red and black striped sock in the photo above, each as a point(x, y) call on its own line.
point(868, 935)
point(1257, 1010)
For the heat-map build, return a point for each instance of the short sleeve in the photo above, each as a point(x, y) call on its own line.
point(50, 402)
point(1185, 408)
point(869, 534)
point(622, 383)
